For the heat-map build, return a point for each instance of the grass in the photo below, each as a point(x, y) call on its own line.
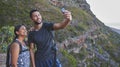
point(72, 61)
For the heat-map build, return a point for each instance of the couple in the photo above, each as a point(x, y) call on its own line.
point(41, 36)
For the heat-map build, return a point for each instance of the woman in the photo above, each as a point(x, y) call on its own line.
point(19, 54)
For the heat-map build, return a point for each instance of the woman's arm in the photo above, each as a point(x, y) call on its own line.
point(32, 54)
point(14, 49)
point(65, 22)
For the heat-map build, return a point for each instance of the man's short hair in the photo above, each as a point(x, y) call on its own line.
point(33, 10)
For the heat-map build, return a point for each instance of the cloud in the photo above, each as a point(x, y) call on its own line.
point(107, 11)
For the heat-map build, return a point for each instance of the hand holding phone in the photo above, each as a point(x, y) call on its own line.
point(67, 14)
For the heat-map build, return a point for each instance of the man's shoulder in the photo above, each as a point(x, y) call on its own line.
point(45, 23)
point(31, 29)
point(48, 23)
point(31, 32)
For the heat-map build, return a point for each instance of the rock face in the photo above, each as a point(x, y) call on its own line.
point(86, 42)
point(93, 52)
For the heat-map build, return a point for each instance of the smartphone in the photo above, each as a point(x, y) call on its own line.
point(63, 10)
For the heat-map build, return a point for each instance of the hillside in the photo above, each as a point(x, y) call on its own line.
point(86, 42)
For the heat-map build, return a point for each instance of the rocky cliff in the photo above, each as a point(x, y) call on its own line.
point(86, 42)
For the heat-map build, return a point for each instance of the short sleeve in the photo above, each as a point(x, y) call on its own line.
point(30, 37)
point(49, 26)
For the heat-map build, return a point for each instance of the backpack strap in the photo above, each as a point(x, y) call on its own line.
point(8, 53)
point(20, 45)
point(7, 57)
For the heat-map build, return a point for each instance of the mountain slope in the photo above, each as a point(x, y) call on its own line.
point(85, 42)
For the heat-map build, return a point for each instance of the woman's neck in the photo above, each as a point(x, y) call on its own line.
point(21, 39)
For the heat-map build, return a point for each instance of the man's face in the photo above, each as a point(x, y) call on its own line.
point(36, 17)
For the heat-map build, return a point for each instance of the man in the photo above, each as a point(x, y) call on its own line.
point(42, 37)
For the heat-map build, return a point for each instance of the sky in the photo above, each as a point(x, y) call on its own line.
point(107, 11)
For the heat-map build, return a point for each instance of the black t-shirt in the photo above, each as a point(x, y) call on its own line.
point(43, 39)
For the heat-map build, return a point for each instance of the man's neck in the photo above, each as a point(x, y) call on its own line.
point(38, 26)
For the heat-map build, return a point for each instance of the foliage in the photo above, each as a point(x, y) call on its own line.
point(71, 59)
point(83, 53)
point(6, 37)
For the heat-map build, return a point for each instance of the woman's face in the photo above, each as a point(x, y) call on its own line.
point(22, 31)
point(36, 17)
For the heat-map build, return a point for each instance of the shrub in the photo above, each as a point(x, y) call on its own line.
point(6, 37)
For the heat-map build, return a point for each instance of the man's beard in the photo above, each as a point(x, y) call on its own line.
point(37, 23)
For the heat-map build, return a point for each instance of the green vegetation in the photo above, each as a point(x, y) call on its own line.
point(6, 37)
point(71, 59)
point(83, 53)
